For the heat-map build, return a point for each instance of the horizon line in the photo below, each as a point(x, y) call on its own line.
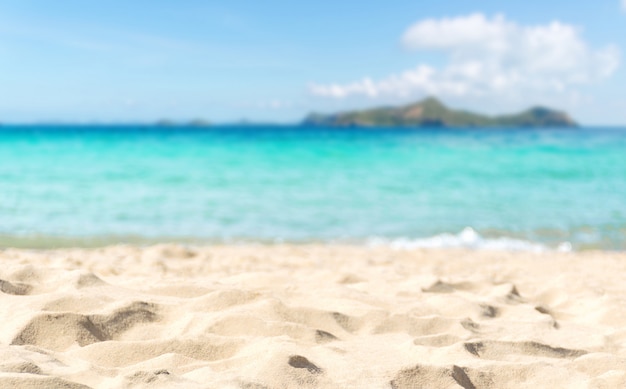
point(246, 123)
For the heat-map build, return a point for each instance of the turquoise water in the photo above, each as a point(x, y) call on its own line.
point(518, 188)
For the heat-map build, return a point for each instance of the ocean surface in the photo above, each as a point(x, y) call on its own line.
point(521, 189)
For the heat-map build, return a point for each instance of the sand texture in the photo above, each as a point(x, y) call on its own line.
point(311, 316)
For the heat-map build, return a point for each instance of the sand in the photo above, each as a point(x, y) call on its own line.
point(310, 316)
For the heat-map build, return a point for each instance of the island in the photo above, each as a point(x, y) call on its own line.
point(431, 112)
point(202, 123)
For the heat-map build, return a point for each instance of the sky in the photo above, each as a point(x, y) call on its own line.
point(276, 61)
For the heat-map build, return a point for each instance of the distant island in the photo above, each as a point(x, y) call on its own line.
point(192, 123)
point(431, 112)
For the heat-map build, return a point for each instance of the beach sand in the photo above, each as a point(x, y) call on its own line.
point(310, 316)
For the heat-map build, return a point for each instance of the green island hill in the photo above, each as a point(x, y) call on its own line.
point(431, 112)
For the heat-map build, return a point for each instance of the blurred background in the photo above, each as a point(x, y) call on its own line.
point(158, 121)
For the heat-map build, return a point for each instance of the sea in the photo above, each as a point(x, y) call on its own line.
point(528, 189)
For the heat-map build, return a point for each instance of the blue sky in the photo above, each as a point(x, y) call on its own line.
point(126, 61)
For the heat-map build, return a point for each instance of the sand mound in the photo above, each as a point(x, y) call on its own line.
point(17, 289)
point(59, 331)
point(266, 317)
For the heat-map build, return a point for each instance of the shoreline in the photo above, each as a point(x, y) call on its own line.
point(311, 316)
point(466, 239)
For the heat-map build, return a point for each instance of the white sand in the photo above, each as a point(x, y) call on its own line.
point(310, 317)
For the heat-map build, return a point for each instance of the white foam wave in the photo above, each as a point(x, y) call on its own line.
point(468, 238)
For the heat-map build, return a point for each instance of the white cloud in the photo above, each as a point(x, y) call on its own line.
point(489, 57)
point(624, 5)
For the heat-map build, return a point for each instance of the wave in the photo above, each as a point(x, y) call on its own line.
point(469, 239)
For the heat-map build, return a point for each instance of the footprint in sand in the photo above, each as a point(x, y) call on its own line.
point(492, 349)
point(432, 377)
